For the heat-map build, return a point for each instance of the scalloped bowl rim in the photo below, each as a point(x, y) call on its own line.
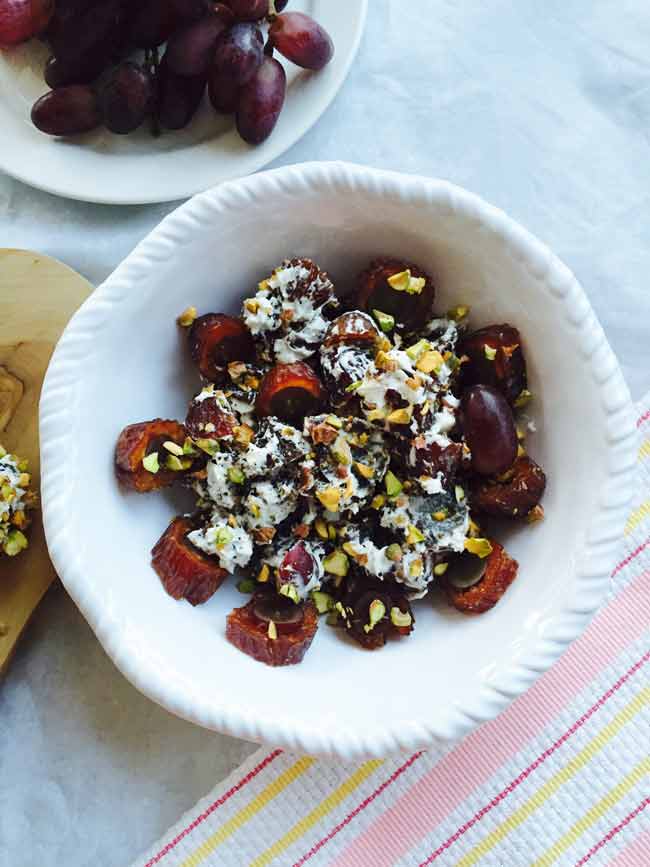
point(592, 571)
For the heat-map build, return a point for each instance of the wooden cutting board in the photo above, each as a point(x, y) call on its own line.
point(38, 295)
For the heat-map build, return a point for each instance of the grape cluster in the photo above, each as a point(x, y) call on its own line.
point(119, 62)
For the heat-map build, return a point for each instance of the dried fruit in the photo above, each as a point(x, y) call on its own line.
point(273, 630)
point(515, 496)
point(138, 461)
point(290, 392)
point(398, 289)
point(215, 341)
point(185, 571)
point(495, 358)
point(499, 573)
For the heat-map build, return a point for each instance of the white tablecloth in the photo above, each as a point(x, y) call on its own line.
point(544, 109)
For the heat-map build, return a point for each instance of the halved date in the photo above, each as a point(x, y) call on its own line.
point(499, 571)
point(520, 490)
point(216, 340)
point(138, 441)
point(185, 571)
point(207, 420)
point(409, 305)
point(354, 327)
point(272, 629)
point(290, 392)
point(495, 358)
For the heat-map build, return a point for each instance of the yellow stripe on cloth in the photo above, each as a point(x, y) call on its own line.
point(637, 516)
point(519, 816)
point(318, 813)
point(249, 811)
point(644, 451)
point(591, 816)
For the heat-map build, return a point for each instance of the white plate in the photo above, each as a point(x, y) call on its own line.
point(136, 169)
point(121, 360)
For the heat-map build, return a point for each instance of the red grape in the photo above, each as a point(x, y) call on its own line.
point(190, 50)
point(191, 10)
point(179, 96)
point(249, 10)
point(489, 429)
point(22, 19)
point(60, 73)
point(67, 111)
point(126, 98)
point(301, 40)
point(223, 92)
point(74, 36)
point(239, 53)
point(261, 101)
point(151, 22)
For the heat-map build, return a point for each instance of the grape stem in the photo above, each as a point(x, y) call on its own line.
point(272, 13)
point(152, 62)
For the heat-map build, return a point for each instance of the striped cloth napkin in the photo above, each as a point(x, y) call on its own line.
point(561, 777)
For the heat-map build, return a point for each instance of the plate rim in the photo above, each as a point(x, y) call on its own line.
point(592, 569)
point(268, 151)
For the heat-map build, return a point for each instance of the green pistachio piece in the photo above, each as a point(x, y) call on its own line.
point(290, 591)
point(246, 585)
point(150, 462)
point(400, 618)
point(16, 542)
point(376, 612)
point(392, 483)
point(323, 601)
point(236, 476)
point(385, 321)
point(336, 563)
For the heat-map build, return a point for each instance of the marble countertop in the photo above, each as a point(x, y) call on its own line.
point(546, 113)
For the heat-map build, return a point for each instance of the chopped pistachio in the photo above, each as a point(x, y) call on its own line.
point(490, 352)
point(330, 498)
point(243, 434)
point(264, 574)
point(252, 305)
point(414, 535)
point(480, 547)
point(400, 618)
point(188, 447)
point(524, 397)
point(334, 421)
point(336, 563)
point(246, 585)
point(404, 282)
point(400, 416)
point(416, 568)
point(210, 447)
point(255, 509)
point(331, 532)
point(173, 448)
point(341, 451)
point(521, 451)
point(474, 530)
point(385, 320)
point(15, 543)
point(323, 601)
point(418, 349)
point(339, 607)
point(394, 552)
point(460, 493)
point(384, 362)
point(354, 386)
point(392, 483)
point(349, 549)
point(364, 470)
point(521, 433)
point(321, 528)
point(290, 591)
point(272, 631)
point(459, 312)
point(150, 462)
point(223, 536)
point(187, 317)
point(376, 612)
point(430, 362)
point(236, 476)
point(440, 568)
point(452, 362)
point(23, 480)
point(440, 515)
point(174, 463)
point(378, 502)
point(536, 514)
point(376, 415)
point(332, 618)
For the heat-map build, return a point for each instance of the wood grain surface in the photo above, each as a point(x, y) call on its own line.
point(38, 295)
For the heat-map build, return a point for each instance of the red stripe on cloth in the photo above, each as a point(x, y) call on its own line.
point(503, 794)
point(631, 557)
point(362, 806)
point(644, 417)
point(214, 806)
point(635, 853)
point(614, 831)
point(469, 765)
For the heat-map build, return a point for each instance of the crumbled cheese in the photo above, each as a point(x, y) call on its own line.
point(221, 490)
point(231, 545)
point(269, 503)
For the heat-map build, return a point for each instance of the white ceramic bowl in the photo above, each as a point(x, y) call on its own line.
point(120, 360)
